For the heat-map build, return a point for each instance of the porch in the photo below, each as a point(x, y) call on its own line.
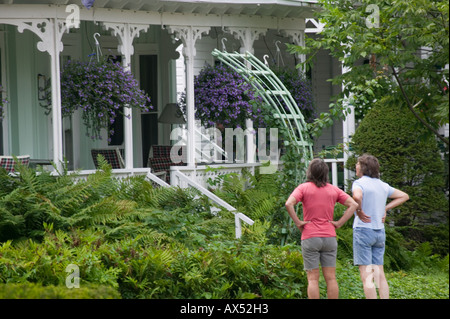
point(164, 44)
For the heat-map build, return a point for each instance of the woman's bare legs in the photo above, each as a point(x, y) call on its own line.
point(373, 276)
point(329, 273)
point(313, 283)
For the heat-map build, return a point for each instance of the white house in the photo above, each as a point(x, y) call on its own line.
point(164, 42)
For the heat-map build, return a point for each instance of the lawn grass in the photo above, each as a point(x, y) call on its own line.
point(413, 284)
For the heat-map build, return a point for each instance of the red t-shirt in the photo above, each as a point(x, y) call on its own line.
point(318, 208)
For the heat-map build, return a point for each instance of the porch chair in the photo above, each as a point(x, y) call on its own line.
point(159, 159)
point(9, 162)
point(111, 155)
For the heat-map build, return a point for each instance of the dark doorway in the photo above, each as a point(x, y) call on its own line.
point(148, 70)
point(1, 96)
point(118, 126)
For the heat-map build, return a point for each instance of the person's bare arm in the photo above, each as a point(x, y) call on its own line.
point(290, 203)
point(398, 197)
point(352, 205)
point(357, 196)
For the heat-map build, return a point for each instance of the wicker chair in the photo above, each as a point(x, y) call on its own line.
point(111, 155)
point(160, 160)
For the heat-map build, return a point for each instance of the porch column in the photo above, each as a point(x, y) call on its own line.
point(348, 130)
point(126, 33)
point(50, 31)
point(56, 48)
point(247, 36)
point(189, 35)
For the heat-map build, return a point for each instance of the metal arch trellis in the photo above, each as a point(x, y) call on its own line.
point(275, 95)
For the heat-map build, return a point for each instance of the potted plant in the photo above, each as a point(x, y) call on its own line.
point(300, 88)
point(100, 89)
point(223, 98)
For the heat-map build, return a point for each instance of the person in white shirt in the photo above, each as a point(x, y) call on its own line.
point(369, 236)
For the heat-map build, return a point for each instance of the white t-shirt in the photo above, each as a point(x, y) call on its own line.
point(375, 194)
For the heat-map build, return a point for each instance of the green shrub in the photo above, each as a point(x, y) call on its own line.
point(36, 291)
point(131, 239)
point(141, 268)
point(436, 235)
point(153, 243)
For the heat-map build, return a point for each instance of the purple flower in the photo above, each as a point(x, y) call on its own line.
point(100, 89)
point(222, 96)
point(301, 91)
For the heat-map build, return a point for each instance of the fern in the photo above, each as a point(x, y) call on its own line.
point(136, 230)
point(268, 183)
point(102, 212)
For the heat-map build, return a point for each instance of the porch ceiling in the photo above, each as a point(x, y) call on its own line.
point(273, 8)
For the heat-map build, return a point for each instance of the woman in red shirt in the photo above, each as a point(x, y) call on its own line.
point(319, 244)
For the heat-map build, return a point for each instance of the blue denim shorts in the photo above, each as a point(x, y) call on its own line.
point(368, 246)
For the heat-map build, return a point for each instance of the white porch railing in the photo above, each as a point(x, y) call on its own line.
point(201, 173)
point(334, 169)
point(121, 174)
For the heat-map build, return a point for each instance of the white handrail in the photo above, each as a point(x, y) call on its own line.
point(120, 172)
point(157, 180)
point(237, 216)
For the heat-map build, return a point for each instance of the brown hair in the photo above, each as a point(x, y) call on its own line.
point(369, 165)
point(317, 172)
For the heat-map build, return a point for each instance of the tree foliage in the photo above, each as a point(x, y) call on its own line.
point(394, 48)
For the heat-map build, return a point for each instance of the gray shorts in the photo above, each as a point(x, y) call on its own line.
point(317, 250)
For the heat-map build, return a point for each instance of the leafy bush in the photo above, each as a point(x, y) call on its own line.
point(145, 242)
point(131, 240)
point(140, 268)
point(436, 235)
point(35, 291)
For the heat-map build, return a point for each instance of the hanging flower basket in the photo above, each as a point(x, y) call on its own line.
point(223, 97)
point(100, 89)
point(301, 90)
